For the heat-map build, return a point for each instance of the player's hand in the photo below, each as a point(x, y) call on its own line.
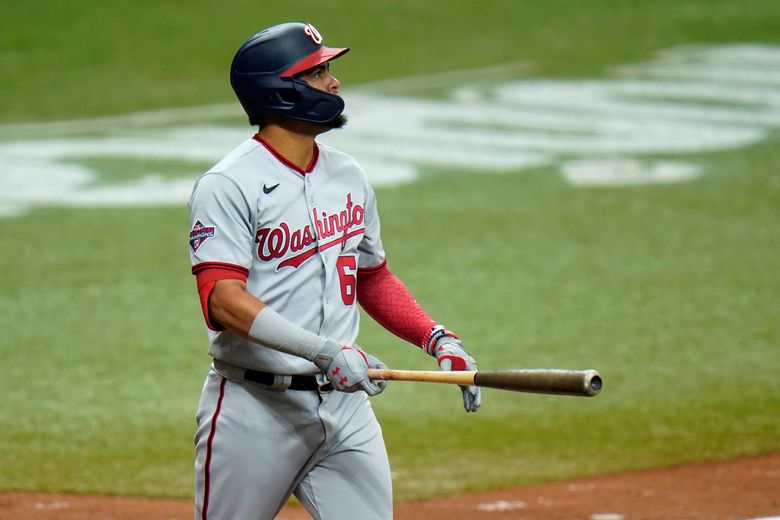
point(449, 353)
point(345, 368)
point(376, 363)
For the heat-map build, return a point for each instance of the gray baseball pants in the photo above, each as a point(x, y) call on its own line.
point(255, 447)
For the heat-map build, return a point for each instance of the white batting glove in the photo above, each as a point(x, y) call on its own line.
point(345, 368)
point(449, 353)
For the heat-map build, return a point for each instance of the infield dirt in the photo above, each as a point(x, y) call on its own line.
point(738, 489)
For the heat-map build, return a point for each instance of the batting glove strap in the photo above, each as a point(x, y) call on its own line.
point(450, 355)
point(433, 336)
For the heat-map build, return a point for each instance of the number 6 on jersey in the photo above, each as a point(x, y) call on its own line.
point(347, 267)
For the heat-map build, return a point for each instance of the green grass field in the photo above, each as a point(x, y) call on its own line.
point(671, 291)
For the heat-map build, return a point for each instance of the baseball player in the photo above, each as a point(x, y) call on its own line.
point(284, 244)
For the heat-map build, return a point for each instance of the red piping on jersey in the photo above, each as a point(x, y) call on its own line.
point(209, 446)
point(197, 268)
point(297, 260)
point(282, 159)
point(369, 270)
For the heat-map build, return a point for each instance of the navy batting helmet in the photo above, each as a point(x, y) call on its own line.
point(263, 74)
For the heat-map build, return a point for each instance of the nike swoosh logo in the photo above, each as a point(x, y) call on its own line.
point(269, 189)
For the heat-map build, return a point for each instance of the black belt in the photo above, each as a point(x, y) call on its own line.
point(296, 383)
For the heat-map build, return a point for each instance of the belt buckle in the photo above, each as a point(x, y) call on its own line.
point(322, 382)
point(281, 382)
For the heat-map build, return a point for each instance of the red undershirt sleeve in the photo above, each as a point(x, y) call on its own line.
point(207, 275)
point(387, 300)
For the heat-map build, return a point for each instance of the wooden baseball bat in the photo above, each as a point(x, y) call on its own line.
point(554, 381)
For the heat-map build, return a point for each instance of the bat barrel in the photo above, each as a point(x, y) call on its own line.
point(593, 383)
point(543, 381)
point(539, 380)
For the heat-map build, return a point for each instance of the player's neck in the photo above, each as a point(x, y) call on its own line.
point(293, 139)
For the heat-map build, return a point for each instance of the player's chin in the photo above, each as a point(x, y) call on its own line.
point(340, 121)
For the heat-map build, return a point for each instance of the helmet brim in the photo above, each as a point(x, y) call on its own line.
point(317, 57)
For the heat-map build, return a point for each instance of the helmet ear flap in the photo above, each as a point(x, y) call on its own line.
point(288, 96)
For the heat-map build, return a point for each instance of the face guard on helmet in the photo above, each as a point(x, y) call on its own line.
point(263, 70)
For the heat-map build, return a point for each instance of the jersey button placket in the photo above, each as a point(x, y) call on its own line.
point(309, 189)
point(308, 192)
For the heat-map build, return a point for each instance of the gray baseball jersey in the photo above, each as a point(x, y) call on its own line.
point(299, 235)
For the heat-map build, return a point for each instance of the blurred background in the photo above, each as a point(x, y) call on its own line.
point(565, 184)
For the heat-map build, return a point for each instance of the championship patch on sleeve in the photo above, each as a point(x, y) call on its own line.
point(200, 234)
